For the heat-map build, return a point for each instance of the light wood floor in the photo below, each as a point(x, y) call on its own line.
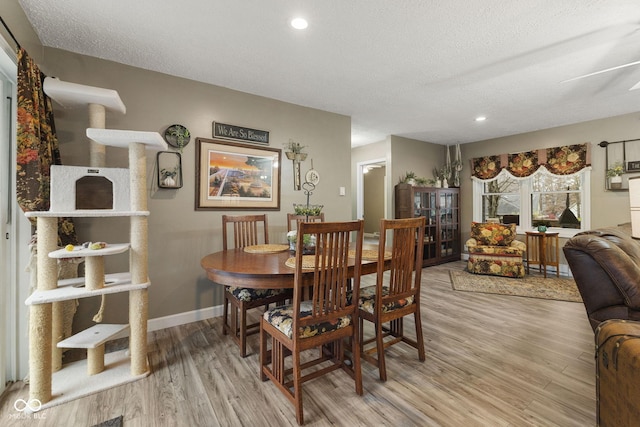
point(491, 361)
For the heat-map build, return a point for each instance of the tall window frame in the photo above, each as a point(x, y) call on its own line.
point(526, 191)
point(13, 229)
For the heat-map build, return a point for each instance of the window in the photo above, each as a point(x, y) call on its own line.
point(13, 244)
point(500, 198)
point(561, 200)
point(556, 200)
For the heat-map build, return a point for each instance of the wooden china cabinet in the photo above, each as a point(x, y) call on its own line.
point(441, 207)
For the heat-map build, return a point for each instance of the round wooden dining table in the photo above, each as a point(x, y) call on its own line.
point(235, 267)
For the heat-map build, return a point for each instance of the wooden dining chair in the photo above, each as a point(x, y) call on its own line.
point(293, 219)
point(322, 322)
point(396, 293)
point(248, 230)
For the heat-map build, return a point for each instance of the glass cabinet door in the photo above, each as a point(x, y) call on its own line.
point(440, 207)
point(425, 205)
point(449, 223)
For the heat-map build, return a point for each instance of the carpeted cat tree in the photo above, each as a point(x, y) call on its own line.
point(124, 192)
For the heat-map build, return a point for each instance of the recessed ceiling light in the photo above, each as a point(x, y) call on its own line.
point(299, 23)
point(481, 119)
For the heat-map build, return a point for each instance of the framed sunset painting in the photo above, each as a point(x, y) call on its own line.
point(232, 176)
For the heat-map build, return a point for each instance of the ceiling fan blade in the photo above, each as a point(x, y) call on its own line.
point(604, 71)
point(635, 86)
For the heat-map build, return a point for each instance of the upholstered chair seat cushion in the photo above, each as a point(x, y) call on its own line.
point(282, 318)
point(517, 249)
point(248, 294)
point(368, 300)
point(493, 250)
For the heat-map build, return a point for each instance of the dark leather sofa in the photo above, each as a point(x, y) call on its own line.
point(605, 264)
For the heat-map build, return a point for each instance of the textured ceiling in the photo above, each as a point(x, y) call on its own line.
point(413, 68)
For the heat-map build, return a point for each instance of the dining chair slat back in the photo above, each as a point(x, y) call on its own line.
point(330, 272)
point(293, 220)
point(322, 322)
point(246, 230)
point(396, 293)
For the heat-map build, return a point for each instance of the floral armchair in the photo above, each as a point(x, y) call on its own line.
point(493, 249)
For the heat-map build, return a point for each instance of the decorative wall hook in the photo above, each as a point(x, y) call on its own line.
point(294, 153)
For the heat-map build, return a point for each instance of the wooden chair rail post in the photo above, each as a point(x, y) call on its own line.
point(246, 232)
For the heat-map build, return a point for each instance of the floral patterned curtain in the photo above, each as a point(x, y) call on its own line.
point(37, 145)
point(565, 160)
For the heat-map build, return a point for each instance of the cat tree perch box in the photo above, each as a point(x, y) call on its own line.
point(89, 188)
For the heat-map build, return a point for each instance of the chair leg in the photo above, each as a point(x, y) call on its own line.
point(263, 351)
point(382, 368)
point(233, 320)
point(225, 314)
point(277, 365)
point(243, 330)
point(355, 362)
point(419, 337)
point(297, 390)
point(360, 340)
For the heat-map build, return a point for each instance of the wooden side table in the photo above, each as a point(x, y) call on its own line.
point(543, 250)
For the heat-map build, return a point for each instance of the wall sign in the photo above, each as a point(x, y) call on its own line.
point(240, 133)
point(633, 166)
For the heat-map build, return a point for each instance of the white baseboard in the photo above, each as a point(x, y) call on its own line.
point(183, 318)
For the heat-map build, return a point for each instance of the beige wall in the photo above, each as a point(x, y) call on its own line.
point(402, 155)
point(179, 236)
point(374, 182)
point(608, 208)
point(367, 153)
point(417, 156)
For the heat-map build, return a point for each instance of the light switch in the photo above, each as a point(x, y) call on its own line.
point(343, 191)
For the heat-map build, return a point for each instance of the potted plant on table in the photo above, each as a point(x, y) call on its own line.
point(542, 225)
point(308, 241)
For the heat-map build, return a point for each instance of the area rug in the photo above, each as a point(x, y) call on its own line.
point(532, 286)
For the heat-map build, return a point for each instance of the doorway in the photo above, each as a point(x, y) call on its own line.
point(371, 195)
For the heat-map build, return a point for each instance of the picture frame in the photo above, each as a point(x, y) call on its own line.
point(169, 165)
point(235, 176)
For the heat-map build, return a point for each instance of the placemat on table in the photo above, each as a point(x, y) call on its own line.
point(266, 249)
point(369, 254)
point(308, 262)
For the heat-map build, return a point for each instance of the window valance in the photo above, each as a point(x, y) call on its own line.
point(565, 160)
